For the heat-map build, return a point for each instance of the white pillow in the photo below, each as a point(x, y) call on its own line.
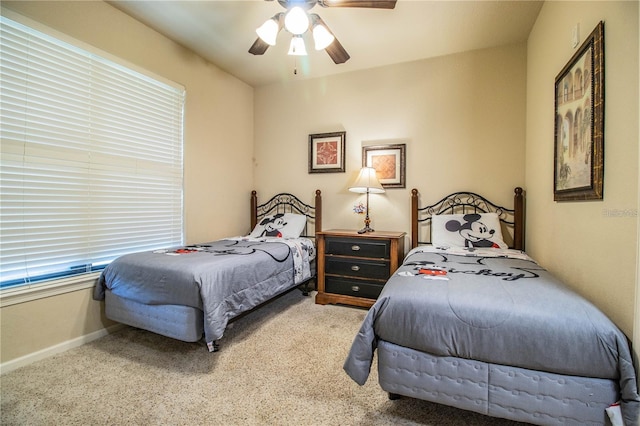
point(467, 230)
point(284, 225)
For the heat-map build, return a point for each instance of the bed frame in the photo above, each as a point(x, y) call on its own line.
point(288, 203)
point(512, 220)
point(186, 323)
point(496, 390)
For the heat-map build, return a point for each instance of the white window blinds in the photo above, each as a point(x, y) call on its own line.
point(91, 159)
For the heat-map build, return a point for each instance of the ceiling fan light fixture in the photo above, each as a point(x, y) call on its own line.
point(268, 31)
point(297, 47)
point(296, 21)
point(322, 37)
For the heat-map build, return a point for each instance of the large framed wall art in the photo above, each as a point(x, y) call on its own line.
point(579, 123)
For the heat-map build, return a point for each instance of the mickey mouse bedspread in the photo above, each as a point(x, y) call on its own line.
point(223, 278)
point(496, 306)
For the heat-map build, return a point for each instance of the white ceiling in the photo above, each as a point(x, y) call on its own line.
point(222, 32)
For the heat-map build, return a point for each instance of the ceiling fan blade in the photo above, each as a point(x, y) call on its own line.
point(374, 4)
point(337, 52)
point(258, 47)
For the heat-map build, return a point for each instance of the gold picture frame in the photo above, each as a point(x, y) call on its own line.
point(579, 123)
point(389, 162)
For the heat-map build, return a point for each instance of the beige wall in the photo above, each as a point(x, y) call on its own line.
point(462, 118)
point(593, 253)
point(218, 148)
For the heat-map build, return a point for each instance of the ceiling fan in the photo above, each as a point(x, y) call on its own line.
point(297, 21)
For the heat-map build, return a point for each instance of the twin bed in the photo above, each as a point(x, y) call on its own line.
point(469, 320)
point(191, 291)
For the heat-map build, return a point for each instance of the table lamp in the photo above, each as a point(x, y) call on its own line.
point(367, 182)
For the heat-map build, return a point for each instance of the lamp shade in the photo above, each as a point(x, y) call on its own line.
point(322, 37)
point(297, 46)
point(269, 30)
point(367, 181)
point(296, 21)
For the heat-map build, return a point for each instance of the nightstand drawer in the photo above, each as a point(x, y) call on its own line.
point(357, 288)
point(361, 247)
point(357, 267)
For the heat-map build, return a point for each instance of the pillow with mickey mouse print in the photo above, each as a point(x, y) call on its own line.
point(283, 225)
point(467, 230)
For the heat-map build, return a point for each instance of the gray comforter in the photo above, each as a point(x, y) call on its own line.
point(222, 278)
point(496, 309)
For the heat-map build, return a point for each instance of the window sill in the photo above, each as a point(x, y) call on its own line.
point(28, 293)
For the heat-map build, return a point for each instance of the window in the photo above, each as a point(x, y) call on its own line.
point(91, 159)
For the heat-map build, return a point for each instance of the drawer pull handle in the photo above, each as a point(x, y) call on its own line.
point(355, 268)
point(355, 288)
point(355, 248)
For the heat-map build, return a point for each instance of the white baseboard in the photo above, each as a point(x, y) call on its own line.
point(56, 349)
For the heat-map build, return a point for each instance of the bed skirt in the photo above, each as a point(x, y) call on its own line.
point(495, 390)
point(178, 322)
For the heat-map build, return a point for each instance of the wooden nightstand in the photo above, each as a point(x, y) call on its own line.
point(353, 268)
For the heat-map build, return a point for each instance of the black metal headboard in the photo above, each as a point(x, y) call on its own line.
point(289, 203)
point(468, 202)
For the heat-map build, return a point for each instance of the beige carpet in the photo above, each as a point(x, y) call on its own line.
point(279, 365)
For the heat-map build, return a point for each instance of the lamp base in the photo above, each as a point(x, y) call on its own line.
point(367, 221)
point(365, 230)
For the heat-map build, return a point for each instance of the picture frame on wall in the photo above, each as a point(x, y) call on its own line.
point(326, 152)
point(389, 162)
point(579, 123)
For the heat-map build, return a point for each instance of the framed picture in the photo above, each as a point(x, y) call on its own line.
point(326, 152)
point(389, 162)
point(579, 123)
